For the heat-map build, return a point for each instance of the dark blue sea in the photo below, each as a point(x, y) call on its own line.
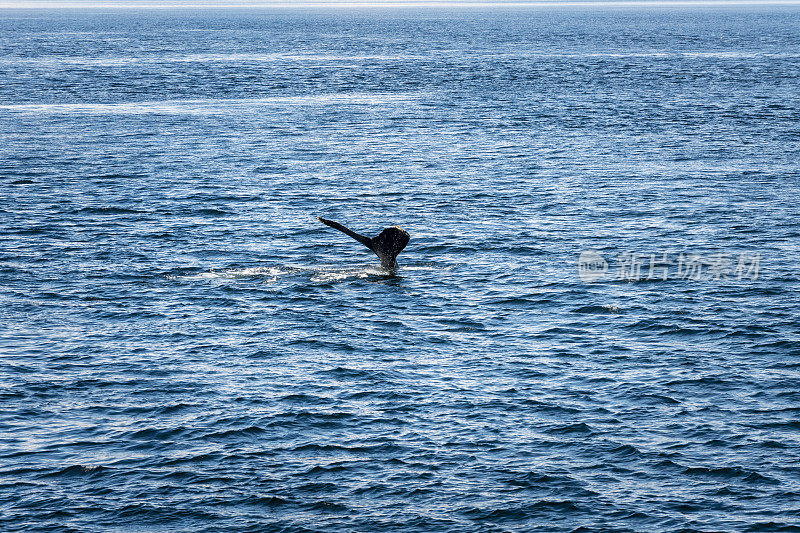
point(594, 327)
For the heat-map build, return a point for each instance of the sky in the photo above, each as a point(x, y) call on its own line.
point(366, 3)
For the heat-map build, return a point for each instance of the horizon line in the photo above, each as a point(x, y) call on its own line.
point(403, 4)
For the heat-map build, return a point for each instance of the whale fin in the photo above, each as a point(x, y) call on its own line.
point(387, 245)
point(366, 241)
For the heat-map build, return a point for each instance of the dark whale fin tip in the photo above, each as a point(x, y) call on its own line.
point(386, 245)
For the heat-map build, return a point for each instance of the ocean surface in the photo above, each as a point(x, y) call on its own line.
point(595, 326)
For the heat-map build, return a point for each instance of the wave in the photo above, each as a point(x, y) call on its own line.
point(731, 472)
point(107, 210)
point(598, 310)
point(579, 428)
point(118, 61)
point(211, 105)
point(314, 275)
point(80, 471)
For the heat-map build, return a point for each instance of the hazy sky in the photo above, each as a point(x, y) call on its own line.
point(364, 3)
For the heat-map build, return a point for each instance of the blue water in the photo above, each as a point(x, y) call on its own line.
point(184, 347)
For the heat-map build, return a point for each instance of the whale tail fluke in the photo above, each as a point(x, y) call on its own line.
point(387, 245)
point(366, 241)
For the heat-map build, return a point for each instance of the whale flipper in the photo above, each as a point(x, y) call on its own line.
point(387, 245)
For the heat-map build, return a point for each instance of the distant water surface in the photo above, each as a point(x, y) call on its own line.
point(185, 348)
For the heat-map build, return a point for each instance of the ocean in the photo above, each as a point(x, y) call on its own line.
point(594, 327)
